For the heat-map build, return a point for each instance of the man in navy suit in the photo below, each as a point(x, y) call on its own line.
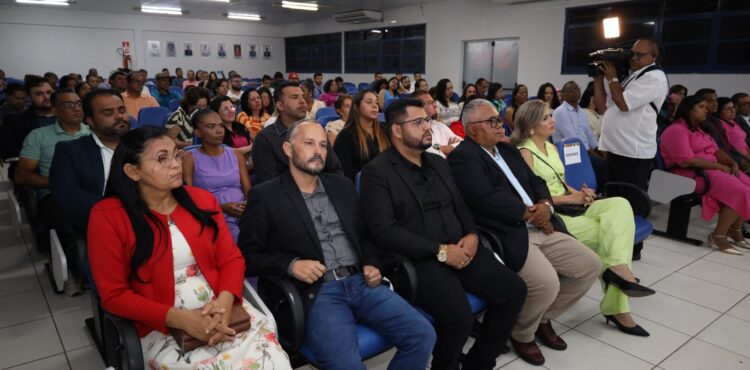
point(80, 167)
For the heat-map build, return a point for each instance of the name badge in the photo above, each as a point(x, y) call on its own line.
point(572, 153)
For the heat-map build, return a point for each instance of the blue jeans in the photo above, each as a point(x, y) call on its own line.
point(330, 330)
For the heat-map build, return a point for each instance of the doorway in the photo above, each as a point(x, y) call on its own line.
point(496, 60)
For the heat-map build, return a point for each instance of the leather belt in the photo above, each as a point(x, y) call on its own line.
point(340, 273)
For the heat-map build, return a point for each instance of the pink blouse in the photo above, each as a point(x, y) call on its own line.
point(736, 135)
point(680, 144)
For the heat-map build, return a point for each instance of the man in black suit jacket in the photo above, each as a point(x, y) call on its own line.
point(742, 104)
point(305, 224)
point(412, 207)
point(506, 196)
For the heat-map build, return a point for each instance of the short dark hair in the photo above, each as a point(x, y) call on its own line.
point(676, 89)
point(397, 110)
point(317, 74)
point(32, 81)
point(279, 92)
point(215, 104)
point(417, 93)
point(278, 75)
point(266, 77)
point(88, 109)
point(705, 91)
point(735, 98)
point(338, 79)
point(340, 101)
point(13, 88)
point(327, 85)
point(117, 73)
point(307, 84)
point(686, 105)
point(56, 95)
point(193, 95)
point(480, 80)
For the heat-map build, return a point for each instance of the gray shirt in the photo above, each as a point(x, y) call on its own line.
point(337, 249)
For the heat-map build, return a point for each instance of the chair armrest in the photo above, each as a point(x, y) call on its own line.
point(285, 302)
point(127, 353)
point(699, 172)
point(641, 199)
point(401, 273)
point(11, 160)
point(489, 239)
point(252, 296)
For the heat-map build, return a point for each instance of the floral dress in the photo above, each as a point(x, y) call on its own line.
point(255, 349)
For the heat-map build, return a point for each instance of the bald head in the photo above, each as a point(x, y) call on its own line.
point(306, 148)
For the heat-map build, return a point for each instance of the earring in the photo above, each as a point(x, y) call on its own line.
point(531, 132)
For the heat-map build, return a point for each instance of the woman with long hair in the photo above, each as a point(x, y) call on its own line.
point(389, 93)
point(313, 105)
point(178, 124)
point(604, 225)
point(496, 96)
point(469, 90)
point(220, 87)
point(548, 94)
point(235, 133)
point(686, 144)
point(267, 99)
point(343, 106)
point(362, 138)
point(253, 115)
point(217, 168)
point(447, 111)
point(731, 137)
point(587, 104)
point(519, 96)
point(161, 255)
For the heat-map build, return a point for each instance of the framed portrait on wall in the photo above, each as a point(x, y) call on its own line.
point(171, 49)
point(237, 51)
point(154, 48)
point(188, 49)
point(205, 49)
point(252, 51)
point(267, 51)
point(221, 50)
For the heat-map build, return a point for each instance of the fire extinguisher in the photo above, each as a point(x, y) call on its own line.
point(124, 51)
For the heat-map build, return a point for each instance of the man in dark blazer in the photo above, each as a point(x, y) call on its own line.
point(80, 167)
point(506, 196)
point(742, 104)
point(305, 224)
point(412, 207)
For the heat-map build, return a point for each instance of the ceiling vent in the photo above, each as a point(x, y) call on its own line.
point(358, 16)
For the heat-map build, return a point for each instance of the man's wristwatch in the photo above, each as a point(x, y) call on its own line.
point(614, 79)
point(442, 254)
point(551, 208)
point(436, 146)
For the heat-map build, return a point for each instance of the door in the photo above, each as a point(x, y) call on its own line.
point(495, 60)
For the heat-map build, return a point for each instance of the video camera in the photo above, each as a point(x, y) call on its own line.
point(620, 57)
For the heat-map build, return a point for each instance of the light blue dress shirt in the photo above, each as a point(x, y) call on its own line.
point(573, 122)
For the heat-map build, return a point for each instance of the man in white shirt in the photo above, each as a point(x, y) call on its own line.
point(443, 138)
point(235, 88)
point(629, 123)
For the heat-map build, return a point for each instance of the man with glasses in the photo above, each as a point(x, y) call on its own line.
point(134, 98)
point(506, 196)
point(444, 140)
point(629, 122)
point(412, 207)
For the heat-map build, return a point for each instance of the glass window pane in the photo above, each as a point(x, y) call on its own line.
point(353, 50)
point(687, 30)
point(353, 63)
point(392, 62)
point(371, 62)
point(372, 48)
point(414, 46)
point(735, 27)
point(728, 5)
point(681, 7)
point(633, 31)
point(686, 55)
point(577, 57)
point(414, 31)
point(391, 47)
point(591, 37)
point(734, 53)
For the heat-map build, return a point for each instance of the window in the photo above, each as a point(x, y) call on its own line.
point(316, 53)
point(389, 50)
point(706, 36)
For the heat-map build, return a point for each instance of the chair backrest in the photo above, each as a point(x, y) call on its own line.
point(387, 103)
point(381, 117)
point(351, 90)
point(578, 169)
point(245, 88)
point(177, 90)
point(327, 111)
point(133, 122)
point(363, 86)
point(153, 116)
point(325, 119)
point(11, 80)
point(174, 104)
point(455, 98)
point(347, 85)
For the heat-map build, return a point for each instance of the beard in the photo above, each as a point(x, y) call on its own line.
point(418, 143)
point(309, 167)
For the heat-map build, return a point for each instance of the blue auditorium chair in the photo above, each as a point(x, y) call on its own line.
point(363, 86)
point(153, 116)
point(177, 90)
point(327, 111)
point(325, 119)
point(174, 104)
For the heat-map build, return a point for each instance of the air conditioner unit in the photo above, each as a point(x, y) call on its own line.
point(358, 16)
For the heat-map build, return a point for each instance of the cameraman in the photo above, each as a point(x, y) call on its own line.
point(629, 122)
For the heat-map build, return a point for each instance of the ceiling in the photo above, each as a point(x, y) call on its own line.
point(270, 9)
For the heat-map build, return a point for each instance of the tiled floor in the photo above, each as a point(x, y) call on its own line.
point(699, 319)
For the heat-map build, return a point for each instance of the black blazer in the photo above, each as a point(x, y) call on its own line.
point(493, 200)
point(76, 179)
point(347, 150)
point(392, 210)
point(276, 228)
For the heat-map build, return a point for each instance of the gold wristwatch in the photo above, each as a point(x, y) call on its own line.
point(442, 254)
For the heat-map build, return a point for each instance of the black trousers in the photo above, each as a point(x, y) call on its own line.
point(442, 294)
point(599, 166)
point(635, 171)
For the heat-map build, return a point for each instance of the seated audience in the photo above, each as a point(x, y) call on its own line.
point(92, 80)
point(253, 115)
point(387, 94)
point(83, 89)
point(134, 98)
point(266, 97)
point(178, 78)
point(519, 96)
point(209, 80)
point(496, 95)
point(118, 80)
point(686, 146)
point(507, 197)
point(235, 134)
point(548, 94)
point(190, 81)
point(333, 264)
point(605, 225)
point(67, 82)
point(293, 77)
point(412, 207)
point(220, 88)
point(443, 139)
point(469, 90)
point(235, 88)
point(317, 85)
point(268, 156)
point(15, 101)
point(163, 94)
point(421, 84)
point(340, 84)
point(594, 117)
point(448, 111)
point(331, 93)
point(178, 124)
point(161, 256)
point(483, 87)
point(733, 137)
point(51, 79)
point(362, 138)
point(312, 104)
point(406, 86)
point(343, 106)
point(571, 121)
point(742, 104)
point(217, 168)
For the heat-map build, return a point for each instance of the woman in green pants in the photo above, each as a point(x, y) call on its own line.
point(605, 225)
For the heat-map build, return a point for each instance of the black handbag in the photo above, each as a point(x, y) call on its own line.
point(571, 210)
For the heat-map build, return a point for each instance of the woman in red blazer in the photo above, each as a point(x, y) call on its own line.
point(162, 256)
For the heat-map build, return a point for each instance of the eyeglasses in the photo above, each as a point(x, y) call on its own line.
point(638, 55)
point(229, 108)
point(493, 121)
point(71, 104)
point(417, 121)
point(165, 159)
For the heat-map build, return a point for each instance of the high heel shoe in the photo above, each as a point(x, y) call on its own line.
point(740, 243)
point(712, 244)
point(636, 330)
point(629, 288)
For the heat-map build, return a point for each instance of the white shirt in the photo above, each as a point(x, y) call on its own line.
point(633, 133)
point(107, 154)
point(441, 135)
point(233, 96)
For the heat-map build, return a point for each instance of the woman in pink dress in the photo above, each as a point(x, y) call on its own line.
point(733, 137)
point(685, 144)
point(331, 93)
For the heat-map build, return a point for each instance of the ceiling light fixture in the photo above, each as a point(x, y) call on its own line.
point(611, 28)
point(299, 6)
point(45, 2)
point(393, 21)
point(160, 10)
point(376, 31)
point(244, 16)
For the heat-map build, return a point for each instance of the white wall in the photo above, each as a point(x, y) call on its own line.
point(36, 40)
point(539, 27)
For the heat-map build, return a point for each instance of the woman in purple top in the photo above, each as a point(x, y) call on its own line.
point(685, 144)
point(331, 93)
point(216, 168)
